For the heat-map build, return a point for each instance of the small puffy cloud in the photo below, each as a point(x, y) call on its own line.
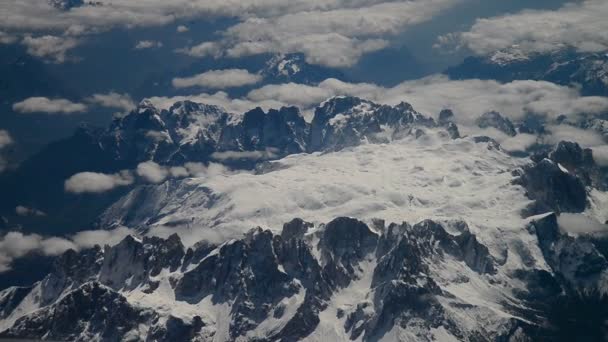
point(182, 28)
point(5, 138)
point(218, 79)
point(578, 224)
point(113, 100)
point(51, 48)
point(26, 211)
point(93, 182)
point(148, 44)
point(203, 49)
point(49, 106)
point(152, 172)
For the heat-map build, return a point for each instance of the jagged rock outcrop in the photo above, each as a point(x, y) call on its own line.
point(264, 286)
point(495, 120)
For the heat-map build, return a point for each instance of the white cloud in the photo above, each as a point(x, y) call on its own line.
point(182, 28)
point(148, 44)
point(600, 155)
point(93, 182)
point(203, 49)
point(152, 172)
point(26, 211)
point(250, 155)
point(520, 142)
point(581, 25)
point(48, 106)
point(580, 224)
point(48, 47)
point(220, 98)
point(90, 238)
point(14, 245)
point(5, 138)
point(113, 100)
point(585, 138)
point(219, 79)
point(467, 98)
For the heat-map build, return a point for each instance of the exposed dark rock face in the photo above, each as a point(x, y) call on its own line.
point(553, 189)
point(558, 180)
point(89, 311)
point(255, 277)
point(495, 120)
point(346, 121)
point(193, 132)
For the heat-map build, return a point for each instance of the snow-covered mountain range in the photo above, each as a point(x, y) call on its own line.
point(370, 222)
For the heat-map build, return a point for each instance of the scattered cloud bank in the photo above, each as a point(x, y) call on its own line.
point(581, 25)
point(94, 182)
point(329, 32)
point(14, 245)
point(49, 106)
point(218, 79)
point(148, 44)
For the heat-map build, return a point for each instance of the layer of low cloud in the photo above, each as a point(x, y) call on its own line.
point(467, 98)
point(14, 245)
point(580, 25)
point(94, 182)
point(48, 106)
point(219, 79)
point(578, 224)
point(585, 137)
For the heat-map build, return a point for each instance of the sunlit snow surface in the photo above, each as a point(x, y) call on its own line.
point(432, 177)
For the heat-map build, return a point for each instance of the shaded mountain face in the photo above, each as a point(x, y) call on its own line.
point(470, 265)
point(190, 132)
point(341, 280)
point(587, 70)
